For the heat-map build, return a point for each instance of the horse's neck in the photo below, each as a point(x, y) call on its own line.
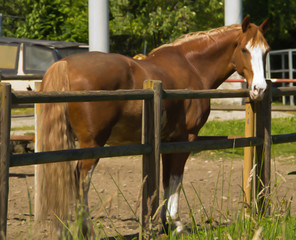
point(212, 58)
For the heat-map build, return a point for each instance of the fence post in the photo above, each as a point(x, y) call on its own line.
point(263, 152)
point(248, 154)
point(151, 162)
point(5, 97)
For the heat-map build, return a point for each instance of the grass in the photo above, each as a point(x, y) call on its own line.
point(237, 128)
point(23, 128)
point(252, 228)
point(22, 111)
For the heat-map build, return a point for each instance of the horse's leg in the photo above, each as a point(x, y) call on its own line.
point(92, 127)
point(173, 169)
point(84, 173)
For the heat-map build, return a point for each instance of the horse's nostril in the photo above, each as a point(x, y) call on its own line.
point(258, 90)
point(255, 90)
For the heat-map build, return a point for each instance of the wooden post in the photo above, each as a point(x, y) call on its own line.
point(151, 162)
point(263, 152)
point(248, 154)
point(5, 97)
point(267, 142)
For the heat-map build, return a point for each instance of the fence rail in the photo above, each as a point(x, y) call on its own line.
point(79, 96)
point(151, 146)
point(17, 160)
point(21, 77)
point(40, 76)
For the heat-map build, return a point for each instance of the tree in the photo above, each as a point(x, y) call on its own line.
point(13, 13)
point(153, 23)
point(55, 20)
point(136, 25)
point(282, 14)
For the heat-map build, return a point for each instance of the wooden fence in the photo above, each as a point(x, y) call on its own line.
point(258, 120)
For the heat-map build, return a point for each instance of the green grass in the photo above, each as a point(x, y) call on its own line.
point(22, 111)
point(23, 128)
point(232, 128)
point(237, 128)
point(268, 228)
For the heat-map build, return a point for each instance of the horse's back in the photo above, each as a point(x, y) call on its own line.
point(99, 71)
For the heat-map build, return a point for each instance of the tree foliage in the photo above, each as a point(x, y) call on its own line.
point(282, 15)
point(12, 16)
point(156, 22)
point(134, 25)
point(139, 25)
point(55, 20)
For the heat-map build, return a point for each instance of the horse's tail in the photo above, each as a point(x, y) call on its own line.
point(55, 181)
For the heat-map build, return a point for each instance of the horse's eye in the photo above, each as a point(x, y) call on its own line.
point(244, 50)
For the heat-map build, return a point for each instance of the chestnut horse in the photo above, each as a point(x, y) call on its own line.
point(201, 60)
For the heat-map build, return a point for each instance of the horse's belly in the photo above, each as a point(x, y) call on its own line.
point(125, 131)
point(128, 128)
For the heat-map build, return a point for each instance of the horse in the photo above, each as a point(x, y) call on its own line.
point(200, 60)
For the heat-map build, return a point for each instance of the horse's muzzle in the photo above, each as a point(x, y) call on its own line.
point(257, 94)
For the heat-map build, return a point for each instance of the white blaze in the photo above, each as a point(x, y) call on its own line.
point(257, 53)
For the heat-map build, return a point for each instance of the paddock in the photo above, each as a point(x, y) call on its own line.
point(202, 172)
point(148, 146)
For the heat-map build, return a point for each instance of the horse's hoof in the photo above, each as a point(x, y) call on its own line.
point(176, 228)
point(88, 230)
point(163, 229)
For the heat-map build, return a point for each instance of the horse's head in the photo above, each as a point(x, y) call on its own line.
point(250, 55)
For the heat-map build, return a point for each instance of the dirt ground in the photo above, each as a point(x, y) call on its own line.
point(212, 186)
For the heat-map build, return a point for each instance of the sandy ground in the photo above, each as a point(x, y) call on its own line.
point(212, 186)
point(217, 182)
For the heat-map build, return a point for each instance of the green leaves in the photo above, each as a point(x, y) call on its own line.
point(139, 24)
point(134, 24)
point(55, 20)
point(158, 22)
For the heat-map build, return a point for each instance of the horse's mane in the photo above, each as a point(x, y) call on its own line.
point(197, 35)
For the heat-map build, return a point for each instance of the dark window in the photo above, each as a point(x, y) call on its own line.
point(38, 59)
point(65, 52)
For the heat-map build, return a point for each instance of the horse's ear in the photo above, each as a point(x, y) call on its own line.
point(245, 23)
point(264, 26)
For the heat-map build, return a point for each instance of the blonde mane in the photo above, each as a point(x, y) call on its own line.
point(197, 35)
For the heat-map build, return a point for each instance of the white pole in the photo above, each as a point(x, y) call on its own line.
point(98, 24)
point(233, 12)
point(232, 15)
